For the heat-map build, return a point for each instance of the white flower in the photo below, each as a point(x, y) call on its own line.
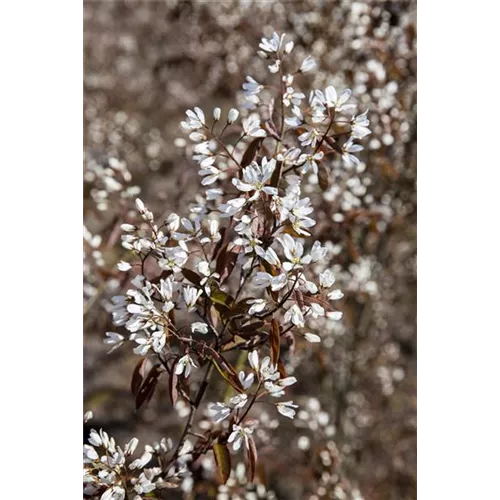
point(273, 44)
point(239, 401)
point(294, 251)
point(286, 408)
point(216, 114)
point(246, 380)
point(257, 306)
point(251, 127)
point(191, 295)
point(139, 463)
point(310, 138)
point(221, 411)
point(335, 295)
point(268, 255)
point(331, 100)
point(251, 87)
point(309, 162)
point(335, 315)
point(297, 120)
point(232, 115)
point(255, 177)
point(318, 252)
point(263, 279)
point(196, 119)
point(199, 327)
point(210, 174)
point(253, 360)
point(184, 366)
point(113, 339)
point(308, 64)
point(360, 125)
point(174, 259)
point(239, 435)
point(294, 314)
point(114, 493)
point(349, 147)
point(292, 97)
point(232, 207)
point(326, 279)
point(312, 337)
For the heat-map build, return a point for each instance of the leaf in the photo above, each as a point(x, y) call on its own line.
point(191, 276)
point(282, 369)
point(227, 372)
point(275, 341)
point(172, 385)
point(275, 178)
point(323, 177)
point(226, 261)
point(251, 152)
point(138, 376)
point(148, 387)
point(217, 296)
point(252, 459)
point(334, 144)
point(223, 461)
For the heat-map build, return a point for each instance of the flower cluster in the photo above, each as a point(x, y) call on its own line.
point(236, 273)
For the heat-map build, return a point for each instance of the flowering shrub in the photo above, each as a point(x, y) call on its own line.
point(226, 291)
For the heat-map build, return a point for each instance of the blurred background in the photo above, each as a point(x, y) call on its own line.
point(145, 64)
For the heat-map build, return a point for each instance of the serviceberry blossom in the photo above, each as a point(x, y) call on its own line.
point(255, 178)
point(184, 365)
point(239, 435)
point(287, 408)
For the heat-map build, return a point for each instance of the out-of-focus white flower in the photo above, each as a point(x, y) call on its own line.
point(335, 295)
point(113, 339)
point(312, 337)
point(123, 266)
point(257, 306)
point(220, 410)
point(286, 408)
point(238, 401)
point(308, 64)
point(199, 327)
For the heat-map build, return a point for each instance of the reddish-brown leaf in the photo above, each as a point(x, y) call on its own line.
point(148, 387)
point(323, 177)
point(251, 152)
point(223, 461)
point(282, 369)
point(275, 341)
point(275, 178)
point(252, 459)
point(191, 276)
point(138, 376)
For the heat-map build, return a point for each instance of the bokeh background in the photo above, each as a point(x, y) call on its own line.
point(145, 64)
